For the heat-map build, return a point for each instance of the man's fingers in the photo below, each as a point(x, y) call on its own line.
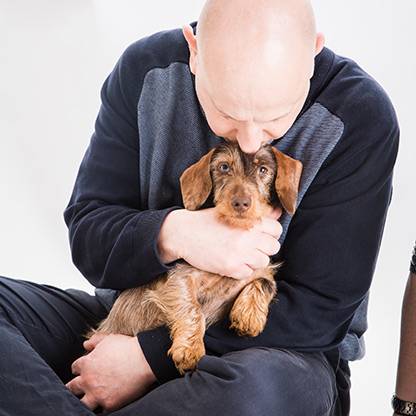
point(90, 402)
point(244, 272)
point(91, 343)
point(269, 226)
point(258, 260)
point(74, 386)
point(270, 247)
point(76, 367)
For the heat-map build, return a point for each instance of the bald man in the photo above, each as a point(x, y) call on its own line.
point(253, 73)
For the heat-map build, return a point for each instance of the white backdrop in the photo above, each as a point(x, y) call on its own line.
point(54, 56)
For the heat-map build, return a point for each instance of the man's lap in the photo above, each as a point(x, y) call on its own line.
point(52, 320)
point(254, 381)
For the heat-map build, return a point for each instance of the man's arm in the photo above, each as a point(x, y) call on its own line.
point(113, 241)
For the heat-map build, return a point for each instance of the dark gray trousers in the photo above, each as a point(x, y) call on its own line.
point(40, 336)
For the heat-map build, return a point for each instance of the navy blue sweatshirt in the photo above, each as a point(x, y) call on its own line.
point(151, 127)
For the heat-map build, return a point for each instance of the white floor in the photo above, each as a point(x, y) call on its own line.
point(54, 57)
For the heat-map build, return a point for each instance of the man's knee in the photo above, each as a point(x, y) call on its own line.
point(266, 381)
point(4, 298)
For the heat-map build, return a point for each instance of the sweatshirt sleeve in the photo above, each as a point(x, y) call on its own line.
point(113, 240)
point(330, 250)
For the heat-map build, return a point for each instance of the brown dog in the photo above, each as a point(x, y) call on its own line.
point(187, 299)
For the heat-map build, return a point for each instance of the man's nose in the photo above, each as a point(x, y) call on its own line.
point(250, 138)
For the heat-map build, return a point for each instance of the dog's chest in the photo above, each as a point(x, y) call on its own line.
point(215, 293)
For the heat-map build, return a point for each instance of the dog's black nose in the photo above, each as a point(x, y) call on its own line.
point(241, 203)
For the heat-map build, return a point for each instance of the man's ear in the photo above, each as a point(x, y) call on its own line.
point(287, 180)
point(188, 33)
point(319, 43)
point(196, 183)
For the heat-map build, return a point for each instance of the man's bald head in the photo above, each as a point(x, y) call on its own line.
point(255, 27)
point(252, 58)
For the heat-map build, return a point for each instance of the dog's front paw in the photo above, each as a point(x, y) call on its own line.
point(247, 322)
point(186, 357)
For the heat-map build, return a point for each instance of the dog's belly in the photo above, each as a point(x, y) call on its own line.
point(215, 293)
point(144, 308)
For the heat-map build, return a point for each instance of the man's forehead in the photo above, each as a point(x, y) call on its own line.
point(276, 113)
point(237, 110)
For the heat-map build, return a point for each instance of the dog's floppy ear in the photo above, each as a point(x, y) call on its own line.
point(196, 183)
point(287, 181)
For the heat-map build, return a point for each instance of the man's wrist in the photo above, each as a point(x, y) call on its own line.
point(168, 243)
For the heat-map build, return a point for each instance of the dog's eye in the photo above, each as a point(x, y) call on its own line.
point(224, 167)
point(263, 170)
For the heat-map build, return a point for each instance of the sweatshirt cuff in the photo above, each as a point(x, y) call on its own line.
point(147, 260)
point(155, 344)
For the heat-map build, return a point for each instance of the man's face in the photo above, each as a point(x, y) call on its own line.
point(249, 125)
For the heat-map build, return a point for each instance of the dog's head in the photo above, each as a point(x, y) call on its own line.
point(244, 186)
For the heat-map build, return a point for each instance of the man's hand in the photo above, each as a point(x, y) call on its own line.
point(207, 244)
point(114, 372)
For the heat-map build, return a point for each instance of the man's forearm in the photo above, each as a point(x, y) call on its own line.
point(406, 374)
point(115, 246)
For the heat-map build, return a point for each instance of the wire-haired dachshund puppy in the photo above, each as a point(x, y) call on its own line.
point(188, 300)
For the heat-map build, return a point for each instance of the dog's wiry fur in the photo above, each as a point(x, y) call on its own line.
point(189, 300)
